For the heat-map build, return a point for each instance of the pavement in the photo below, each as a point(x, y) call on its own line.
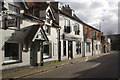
point(41, 69)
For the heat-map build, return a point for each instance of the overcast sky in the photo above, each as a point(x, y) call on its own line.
point(94, 11)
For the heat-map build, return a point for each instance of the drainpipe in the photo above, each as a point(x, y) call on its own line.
point(1, 56)
point(83, 54)
point(1, 42)
point(59, 45)
point(92, 45)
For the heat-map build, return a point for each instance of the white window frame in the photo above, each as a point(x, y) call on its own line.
point(50, 45)
point(12, 61)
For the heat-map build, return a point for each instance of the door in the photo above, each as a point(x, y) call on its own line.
point(33, 54)
point(70, 49)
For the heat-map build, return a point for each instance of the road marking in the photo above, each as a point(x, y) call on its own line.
point(96, 65)
point(86, 59)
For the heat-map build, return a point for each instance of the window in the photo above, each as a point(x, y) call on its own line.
point(87, 47)
point(87, 32)
point(46, 52)
point(67, 27)
point(64, 48)
point(96, 47)
point(76, 29)
point(78, 47)
point(11, 51)
point(95, 36)
point(14, 9)
point(47, 29)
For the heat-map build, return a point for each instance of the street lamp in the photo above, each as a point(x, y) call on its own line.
point(100, 28)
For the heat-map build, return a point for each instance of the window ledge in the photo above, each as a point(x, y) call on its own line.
point(12, 62)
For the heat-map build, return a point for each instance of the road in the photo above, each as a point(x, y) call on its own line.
point(101, 67)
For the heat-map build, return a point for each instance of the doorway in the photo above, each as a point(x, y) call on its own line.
point(33, 54)
point(70, 50)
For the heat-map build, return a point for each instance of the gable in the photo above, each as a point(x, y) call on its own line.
point(51, 14)
point(40, 35)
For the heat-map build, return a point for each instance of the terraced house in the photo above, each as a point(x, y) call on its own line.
point(71, 33)
point(22, 36)
point(32, 33)
point(92, 40)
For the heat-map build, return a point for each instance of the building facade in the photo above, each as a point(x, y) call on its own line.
point(22, 37)
point(33, 33)
point(71, 34)
point(92, 40)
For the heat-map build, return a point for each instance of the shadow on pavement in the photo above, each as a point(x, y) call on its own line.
point(108, 68)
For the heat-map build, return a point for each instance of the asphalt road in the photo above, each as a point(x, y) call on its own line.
point(101, 67)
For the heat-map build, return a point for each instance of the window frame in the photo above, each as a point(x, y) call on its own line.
point(19, 53)
point(49, 30)
point(77, 30)
point(67, 27)
point(50, 45)
point(88, 50)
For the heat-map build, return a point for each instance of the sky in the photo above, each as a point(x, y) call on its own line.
point(97, 13)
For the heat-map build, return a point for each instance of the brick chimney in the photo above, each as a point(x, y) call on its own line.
point(67, 9)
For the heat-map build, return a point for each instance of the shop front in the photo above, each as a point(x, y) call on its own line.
point(71, 45)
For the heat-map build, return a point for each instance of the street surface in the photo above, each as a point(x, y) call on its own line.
point(101, 67)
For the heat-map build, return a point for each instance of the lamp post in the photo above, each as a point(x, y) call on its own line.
point(100, 28)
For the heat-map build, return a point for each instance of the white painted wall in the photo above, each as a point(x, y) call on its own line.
point(72, 22)
point(96, 42)
point(25, 55)
point(53, 39)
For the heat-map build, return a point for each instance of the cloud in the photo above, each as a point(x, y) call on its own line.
point(94, 11)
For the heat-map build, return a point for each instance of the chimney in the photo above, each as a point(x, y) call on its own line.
point(68, 9)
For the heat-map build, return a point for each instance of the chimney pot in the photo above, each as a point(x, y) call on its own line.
point(68, 6)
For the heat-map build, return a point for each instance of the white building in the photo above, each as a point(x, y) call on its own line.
point(22, 37)
point(71, 34)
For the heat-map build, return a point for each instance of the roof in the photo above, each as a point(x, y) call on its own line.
point(32, 32)
point(40, 5)
point(32, 18)
point(91, 27)
point(27, 34)
point(76, 18)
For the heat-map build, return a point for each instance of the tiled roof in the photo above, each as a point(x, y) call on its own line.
point(32, 32)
